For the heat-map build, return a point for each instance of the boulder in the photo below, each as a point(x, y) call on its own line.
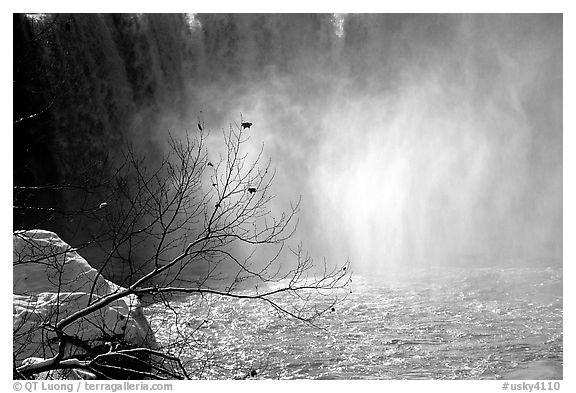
point(51, 282)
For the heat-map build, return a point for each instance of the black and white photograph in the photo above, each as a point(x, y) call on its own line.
point(287, 196)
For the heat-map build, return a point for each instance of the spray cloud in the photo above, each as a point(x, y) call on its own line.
point(414, 140)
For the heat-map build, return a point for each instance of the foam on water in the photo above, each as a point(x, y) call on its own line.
point(461, 324)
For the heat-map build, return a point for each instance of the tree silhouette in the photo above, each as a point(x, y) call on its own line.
point(185, 227)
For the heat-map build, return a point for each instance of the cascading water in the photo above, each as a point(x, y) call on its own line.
point(417, 142)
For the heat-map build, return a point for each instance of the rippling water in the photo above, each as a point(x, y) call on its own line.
point(459, 324)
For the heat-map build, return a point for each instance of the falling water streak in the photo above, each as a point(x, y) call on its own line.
point(414, 140)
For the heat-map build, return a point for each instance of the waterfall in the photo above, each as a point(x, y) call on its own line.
point(415, 141)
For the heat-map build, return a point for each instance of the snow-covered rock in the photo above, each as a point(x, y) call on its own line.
point(51, 282)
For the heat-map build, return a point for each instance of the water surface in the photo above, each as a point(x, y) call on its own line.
point(453, 324)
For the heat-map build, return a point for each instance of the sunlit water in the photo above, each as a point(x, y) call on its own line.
point(457, 324)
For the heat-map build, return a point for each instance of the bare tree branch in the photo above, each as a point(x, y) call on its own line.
point(179, 225)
